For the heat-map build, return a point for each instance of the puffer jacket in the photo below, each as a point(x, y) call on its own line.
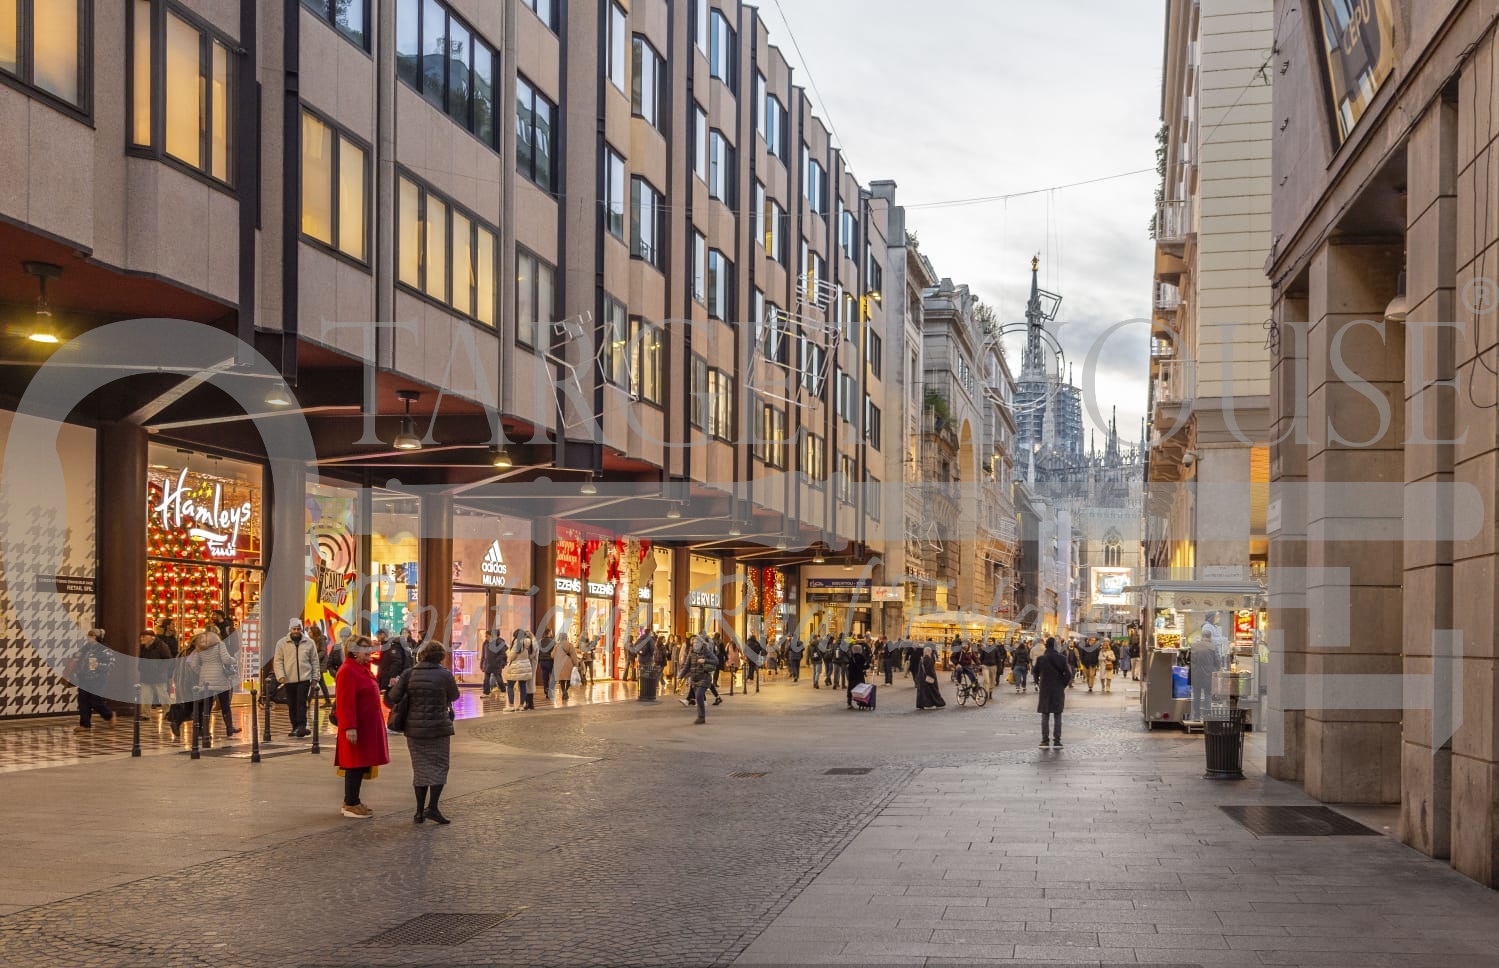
point(433, 691)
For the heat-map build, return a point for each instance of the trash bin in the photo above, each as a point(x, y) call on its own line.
point(1223, 739)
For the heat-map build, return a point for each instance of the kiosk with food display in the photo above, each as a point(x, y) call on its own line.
point(1201, 638)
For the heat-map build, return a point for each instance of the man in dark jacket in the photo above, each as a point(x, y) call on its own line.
point(1053, 679)
point(644, 652)
point(492, 654)
point(166, 630)
point(156, 670)
point(1088, 658)
point(1020, 664)
point(794, 653)
point(992, 658)
point(94, 660)
point(399, 655)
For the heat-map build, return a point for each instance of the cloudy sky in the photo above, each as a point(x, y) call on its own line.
point(957, 99)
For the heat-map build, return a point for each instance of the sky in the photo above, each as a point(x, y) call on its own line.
point(957, 99)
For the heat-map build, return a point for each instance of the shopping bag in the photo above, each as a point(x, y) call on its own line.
point(575, 679)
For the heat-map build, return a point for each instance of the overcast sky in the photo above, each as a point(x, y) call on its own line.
point(962, 98)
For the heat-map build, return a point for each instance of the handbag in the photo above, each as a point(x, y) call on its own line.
point(931, 680)
point(396, 721)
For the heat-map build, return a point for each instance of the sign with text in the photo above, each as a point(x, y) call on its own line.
point(1358, 46)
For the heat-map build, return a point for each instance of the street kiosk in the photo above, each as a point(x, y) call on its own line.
point(1200, 637)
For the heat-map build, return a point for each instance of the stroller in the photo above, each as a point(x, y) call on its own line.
point(863, 696)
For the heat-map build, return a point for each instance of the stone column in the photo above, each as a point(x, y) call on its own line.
point(435, 567)
point(1425, 757)
point(282, 597)
point(1353, 755)
point(122, 535)
point(729, 600)
point(544, 575)
point(681, 584)
point(1287, 587)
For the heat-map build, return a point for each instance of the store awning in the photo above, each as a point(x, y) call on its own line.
point(962, 619)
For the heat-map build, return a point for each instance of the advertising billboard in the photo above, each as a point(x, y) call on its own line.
point(1109, 586)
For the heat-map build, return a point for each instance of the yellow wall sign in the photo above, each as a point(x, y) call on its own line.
point(1358, 44)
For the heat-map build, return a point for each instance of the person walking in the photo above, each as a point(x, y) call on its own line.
point(166, 630)
point(295, 664)
point(702, 663)
point(755, 659)
point(1125, 659)
point(361, 747)
point(991, 658)
point(217, 672)
point(156, 670)
point(1204, 664)
point(840, 662)
point(320, 643)
point(491, 661)
point(520, 672)
point(649, 659)
point(794, 653)
point(1088, 659)
point(567, 660)
point(858, 671)
point(1106, 661)
point(94, 661)
point(928, 693)
point(1053, 679)
point(397, 656)
point(589, 652)
point(546, 664)
point(817, 656)
point(1020, 664)
point(429, 691)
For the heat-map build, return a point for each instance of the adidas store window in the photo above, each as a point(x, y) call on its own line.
point(491, 585)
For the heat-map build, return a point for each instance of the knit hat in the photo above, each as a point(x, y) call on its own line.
point(296, 623)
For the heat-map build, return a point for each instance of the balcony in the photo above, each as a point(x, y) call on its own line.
point(1175, 382)
point(1161, 349)
point(1168, 299)
point(1173, 224)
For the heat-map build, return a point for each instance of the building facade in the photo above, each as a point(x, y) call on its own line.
point(1209, 362)
point(625, 293)
point(1385, 447)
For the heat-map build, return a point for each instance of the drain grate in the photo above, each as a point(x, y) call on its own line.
point(1282, 821)
point(849, 771)
point(746, 776)
point(438, 929)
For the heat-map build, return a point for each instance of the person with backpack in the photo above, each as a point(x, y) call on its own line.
point(546, 663)
point(816, 656)
point(794, 652)
point(1020, 662)
point(840, 662)
point(94, 660)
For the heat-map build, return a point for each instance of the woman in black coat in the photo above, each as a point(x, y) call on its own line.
point(429, 691)
point(928, 695)
point(858, 669)
point(1053, 679)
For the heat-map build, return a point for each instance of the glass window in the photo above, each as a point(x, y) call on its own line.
point(192, 83)
point(770, 436)
point(699, 267)
point(646, 79)
point(140, 66)
point(848, 471)
point(614, 193)
point(449, 64)
point(317, 179)
point(218, 113)
point(616, 343)
point(698, 393)
point(721, 48)
point(619, 37)
point(720, 166)
point(700, 24)
point(775, 128)
point(848, 233)
point(535, 298)
point(757, 211)
point(775, 231)
point(409, 234)
point(535, 119)
point(813, 465)
point(872, 495)
point(874, 352)
point(184, 87)
point(720, 276)
point(444, 251)
point(545, 11)
point(40, 44)
point(647, 336)
point(645, 222)
point(347, 17)
point(546, 296)
point(872, 424)
point(817, 185)
point(700, 142)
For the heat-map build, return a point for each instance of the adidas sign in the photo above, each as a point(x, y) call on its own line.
point(492, 569)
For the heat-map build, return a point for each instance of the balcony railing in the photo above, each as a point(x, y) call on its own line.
point(1176, 381)
point(1168, 298)
point(1173, 222)
point(1162, 349)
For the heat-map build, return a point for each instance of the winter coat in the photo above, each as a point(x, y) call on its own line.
point(216, 667)
point(356, 702)
point(296, 661)
point(524, 646)
point(432, 690)
point(394, 661)
point(1021, 656)
point(1053, 677)
point(494, 657)
point(94, 660)
point(567, 659)
point(157, 671)
point(858, 667)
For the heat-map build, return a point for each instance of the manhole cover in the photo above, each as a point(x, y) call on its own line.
point(1266, 821)
point(849, 771)
point(745, 776)
point(438, 929)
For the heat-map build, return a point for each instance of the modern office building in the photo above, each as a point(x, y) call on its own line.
point(578, 304)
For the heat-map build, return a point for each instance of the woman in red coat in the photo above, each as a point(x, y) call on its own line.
point(361, 725)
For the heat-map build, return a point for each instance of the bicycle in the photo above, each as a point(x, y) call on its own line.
point(969, 689)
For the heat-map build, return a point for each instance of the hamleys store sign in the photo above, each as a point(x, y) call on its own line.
point(203, 514)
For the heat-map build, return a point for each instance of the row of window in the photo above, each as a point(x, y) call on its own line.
point(40, 46)
point(444, 60)
point(180, 97)
point(632, 353)
point(711, 399)
point(716, 39)
point(451, 256)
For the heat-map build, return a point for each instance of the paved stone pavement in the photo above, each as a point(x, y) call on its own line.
point(615, 834)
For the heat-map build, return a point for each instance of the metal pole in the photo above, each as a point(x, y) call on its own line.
point(135, 747)
point(317, 705)
point(208, 708)
point(254, 725)
point(266, 735)
point(197, 716)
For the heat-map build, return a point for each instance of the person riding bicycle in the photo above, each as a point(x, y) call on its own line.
point(965, 664)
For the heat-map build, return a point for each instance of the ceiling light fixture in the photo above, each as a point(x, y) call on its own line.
point(43, 330)
point(407, 438)
point(279, 396)
point(818, 559)
point(674, 513)
point(589, 488)
point(781, 545)
point(499, 459)
point(735, 531)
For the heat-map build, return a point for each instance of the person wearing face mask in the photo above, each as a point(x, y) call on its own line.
point(296, 665)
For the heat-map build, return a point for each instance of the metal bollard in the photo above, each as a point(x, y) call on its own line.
point(266, 736)
point(197, 717)
point(317, 705)
point(254, 725)
point(135, 746)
